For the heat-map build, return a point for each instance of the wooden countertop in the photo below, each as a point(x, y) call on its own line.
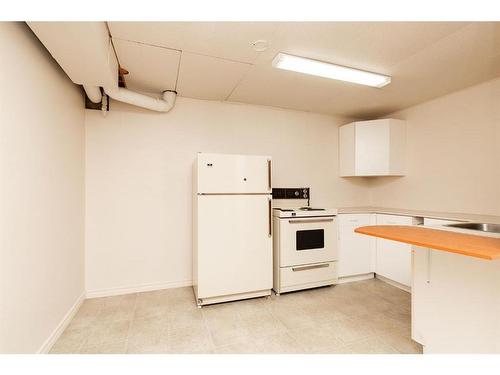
point(453, 242)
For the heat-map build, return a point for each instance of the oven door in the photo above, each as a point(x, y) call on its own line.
point(308, 240)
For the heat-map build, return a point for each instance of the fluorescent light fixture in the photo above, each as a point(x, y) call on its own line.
point(328, 70)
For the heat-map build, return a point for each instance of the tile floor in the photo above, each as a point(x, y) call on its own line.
point(362, 317)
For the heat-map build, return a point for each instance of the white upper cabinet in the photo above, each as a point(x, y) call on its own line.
point(372, 148)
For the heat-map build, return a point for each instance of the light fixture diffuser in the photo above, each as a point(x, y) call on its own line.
point(328, 70)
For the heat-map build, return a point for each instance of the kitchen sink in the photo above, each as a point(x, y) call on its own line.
point(483, 227)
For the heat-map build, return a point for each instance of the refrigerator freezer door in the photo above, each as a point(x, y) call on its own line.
point(233, 174)
point(235, 252)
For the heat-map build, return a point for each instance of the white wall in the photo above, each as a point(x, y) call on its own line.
point(453, 154)
point(138, 180)
point(41, 192)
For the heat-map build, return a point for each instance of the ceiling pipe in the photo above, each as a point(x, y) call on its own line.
point(68, 41)
point(93, 93)
point(163, 104)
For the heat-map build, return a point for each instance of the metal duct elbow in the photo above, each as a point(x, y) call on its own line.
point(93, 93)
point(163, 104)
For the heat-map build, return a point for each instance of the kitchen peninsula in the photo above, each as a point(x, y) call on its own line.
point(455, 286)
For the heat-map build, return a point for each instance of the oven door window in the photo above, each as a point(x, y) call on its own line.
point(310, 239)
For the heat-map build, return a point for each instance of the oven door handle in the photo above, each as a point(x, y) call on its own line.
point(299, 221)
point(305, 268)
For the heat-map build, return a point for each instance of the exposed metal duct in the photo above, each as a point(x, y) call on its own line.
point(85, 52)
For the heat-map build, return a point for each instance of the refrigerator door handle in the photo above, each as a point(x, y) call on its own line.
point(270, 233)
point(269, 174)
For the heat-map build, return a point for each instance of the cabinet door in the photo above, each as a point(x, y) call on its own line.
point(355, 250)
point(347, 161)
point(394, 258)
point(372, 148)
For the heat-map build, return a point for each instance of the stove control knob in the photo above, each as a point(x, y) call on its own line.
point(305, 195)
point(296, 193)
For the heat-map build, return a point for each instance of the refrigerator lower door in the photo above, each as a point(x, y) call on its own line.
point(234, 245)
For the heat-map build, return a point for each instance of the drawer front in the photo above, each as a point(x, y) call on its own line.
point(383, 219)
point(310, 273)
point(354, 219)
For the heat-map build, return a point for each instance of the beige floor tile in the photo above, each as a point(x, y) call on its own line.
point(295, 318)
point(151, 311)
point(251, 307)
point(280, 343)
point(116, 313)
point(67, 344)
point(150, 327)
point(384, 322)
point(190, 340)
point(122, 301)
point(363, 317)
point(317, 340)
point(118, 347)
point(188, 318)
point(151, 344)
point(263, 322)
point(243, 346)
point(401, 341)
point(372, 345)
point(227, 332)
point(351, 330)
point(220, 313)
point(75, 333)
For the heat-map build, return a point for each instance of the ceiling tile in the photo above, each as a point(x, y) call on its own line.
point(151, 69)
point(460, 59)
point(425, 60)
point(229, 40)
point(205, 77)
point(373, 46)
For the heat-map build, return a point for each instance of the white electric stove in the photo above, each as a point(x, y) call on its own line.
point(305, 248)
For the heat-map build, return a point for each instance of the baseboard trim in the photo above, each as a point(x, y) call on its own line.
point(137, 288)
point(350, 279)
point(394, 283)
point(47, 345)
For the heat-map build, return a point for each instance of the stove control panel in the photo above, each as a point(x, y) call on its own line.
point(291, 193)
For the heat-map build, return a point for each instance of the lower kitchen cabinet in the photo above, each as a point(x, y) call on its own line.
point(393, 259)
point(356, 251)
point(360, 254)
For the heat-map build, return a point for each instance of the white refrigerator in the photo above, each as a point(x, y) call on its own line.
point(232, 227)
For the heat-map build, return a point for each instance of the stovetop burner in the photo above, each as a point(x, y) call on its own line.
point(295, 212)
point(301, 209)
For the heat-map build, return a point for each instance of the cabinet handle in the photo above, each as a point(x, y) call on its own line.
point(305, 268)
point(309, 221)
point(269, 174)
point(270, 210)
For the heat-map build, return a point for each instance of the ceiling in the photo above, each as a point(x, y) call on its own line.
point(216, 61)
